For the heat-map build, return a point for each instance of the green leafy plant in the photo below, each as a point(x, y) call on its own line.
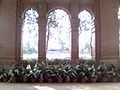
point(15, 73)
point(4, 74)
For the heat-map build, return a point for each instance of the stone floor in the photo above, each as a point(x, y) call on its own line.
point(56, 86)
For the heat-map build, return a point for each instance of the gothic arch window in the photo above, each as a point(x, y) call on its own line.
point(29, 38)
point(58, 35)
point(86, 35)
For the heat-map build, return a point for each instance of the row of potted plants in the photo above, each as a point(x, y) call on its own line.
point(59, 73)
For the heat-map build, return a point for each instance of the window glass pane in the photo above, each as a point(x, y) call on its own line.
point(58, 36)
point(30, 35)
point(86, 35)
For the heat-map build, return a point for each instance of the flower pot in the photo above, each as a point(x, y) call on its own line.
point(114, 79)
point(60, 80)
point(93, 79)
point(67, 80)
point(14, 80)
point(83, 79)
point(5, 79)
point(40, 81)
point(33, 80)
point(104, 79)
point(50, 80)
point(74, 80)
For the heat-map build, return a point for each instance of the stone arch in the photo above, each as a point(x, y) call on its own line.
point(28, 8)
point(59, 7)
point(88, 10)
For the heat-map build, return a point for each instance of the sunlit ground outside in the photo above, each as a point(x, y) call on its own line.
point(58, 55)
point(30, 56)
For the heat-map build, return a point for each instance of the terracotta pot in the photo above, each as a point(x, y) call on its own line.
point(60, 80)
point(40, 81)
point(114, 79)
point(83, 79)
point(4, 79)
point(104, 79)
point(50, 80)
point(14, 80)
point(74, 80)
point(93, 79)
point(33, 80)
point(67, 80)
point(0, 80)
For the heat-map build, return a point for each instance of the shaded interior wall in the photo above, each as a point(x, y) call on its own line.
point(109, 31)
point(7, 30)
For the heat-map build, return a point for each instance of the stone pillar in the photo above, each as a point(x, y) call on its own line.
point(42, 32)
point(74, 9)
point(74, 47)
point(42, 40)
point(19, 21)
point(109, 31)
point(97, 32)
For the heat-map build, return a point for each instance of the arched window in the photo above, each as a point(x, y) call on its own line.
point(58, 35)
point(30, 35)
point(86, 35)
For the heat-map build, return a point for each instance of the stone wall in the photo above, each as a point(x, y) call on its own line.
point(107, 34)
point(7, 30)
point(109, 31)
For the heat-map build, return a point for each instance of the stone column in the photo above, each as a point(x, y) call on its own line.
point(42, 40)
point(97, 32)
point(19, 21)
point(74, 10)
point(42, 32)
point(75, 46)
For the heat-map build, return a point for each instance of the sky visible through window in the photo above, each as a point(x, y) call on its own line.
point(58, 43)
point(86, 35)
point(58, 35)
point(30, 35)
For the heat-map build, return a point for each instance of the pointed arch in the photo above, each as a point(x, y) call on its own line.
point(58, 35)
point(86, 35)
point(29, 35)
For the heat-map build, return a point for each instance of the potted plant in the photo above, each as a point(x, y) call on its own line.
point(4, 75)
point(15, 73)
point(49, 74)
point(81, 72)
point(24, 63)
point(30, 75)
point(32, 63)
point(113, 73)
point(59, 73)
point(72, 74)
point(102, 71)
point(92, 74)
